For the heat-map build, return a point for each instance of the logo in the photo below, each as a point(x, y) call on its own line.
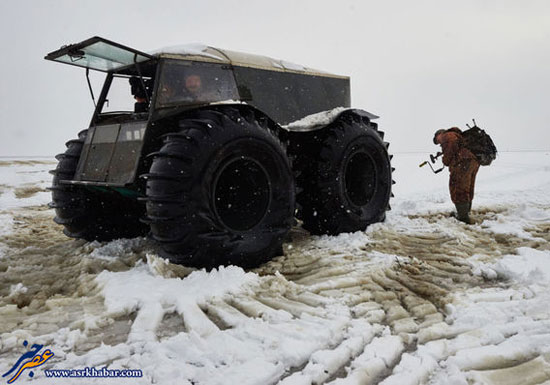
point(28, 360)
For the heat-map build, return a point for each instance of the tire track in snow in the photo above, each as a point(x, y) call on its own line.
point(418, 288)
point(381, 307)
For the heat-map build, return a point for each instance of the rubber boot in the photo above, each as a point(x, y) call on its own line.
point(462, 212)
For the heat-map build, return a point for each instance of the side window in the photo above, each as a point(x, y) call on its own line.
point(125, 91)
point(119, 97)
point(184, 82)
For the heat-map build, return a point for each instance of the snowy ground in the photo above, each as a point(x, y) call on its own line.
point(418, 299)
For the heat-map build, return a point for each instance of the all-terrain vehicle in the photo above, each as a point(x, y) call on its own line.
point(217, 153)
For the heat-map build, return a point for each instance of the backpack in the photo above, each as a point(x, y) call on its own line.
point(480, 144)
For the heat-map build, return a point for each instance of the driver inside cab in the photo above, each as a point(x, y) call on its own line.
point(141, 95)
point(192, 87)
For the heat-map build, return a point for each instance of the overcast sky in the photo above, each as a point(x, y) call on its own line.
point(420, 65)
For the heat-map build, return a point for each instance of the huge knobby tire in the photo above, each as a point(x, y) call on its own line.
point(343, 176)
point(90, 215)
point(220, 191)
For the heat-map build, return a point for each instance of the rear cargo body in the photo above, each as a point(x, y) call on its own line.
point(290, 96)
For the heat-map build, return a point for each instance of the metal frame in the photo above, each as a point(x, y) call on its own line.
point(102, 97)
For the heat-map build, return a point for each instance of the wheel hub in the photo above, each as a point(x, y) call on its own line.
point(360, 179)
point(241, 194)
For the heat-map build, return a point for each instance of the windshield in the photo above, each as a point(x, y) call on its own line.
point(98, 54)
point(185, 82)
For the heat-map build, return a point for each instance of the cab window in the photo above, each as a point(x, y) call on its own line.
point(127, 94)
point(184, 82)
point(119, 98)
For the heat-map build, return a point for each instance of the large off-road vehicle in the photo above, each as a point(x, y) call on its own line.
point(214, 153)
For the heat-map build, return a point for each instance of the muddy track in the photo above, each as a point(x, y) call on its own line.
point(45, 274)
point(27, 191)
point(371, 309)
point(30, 162)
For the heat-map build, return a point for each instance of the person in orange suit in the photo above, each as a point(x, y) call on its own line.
point(463, 167)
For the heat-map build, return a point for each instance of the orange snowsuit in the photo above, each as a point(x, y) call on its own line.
point(463, 165)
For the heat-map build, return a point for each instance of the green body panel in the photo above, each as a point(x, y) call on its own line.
point(111, 153)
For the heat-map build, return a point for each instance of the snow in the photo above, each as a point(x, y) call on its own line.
point(199, 49)
point(318, 119)
point(19, 288)
point(24, 178)
point(192, 49)
point(527, 266)
point(292, 66)
point(418, 299)
point(139, 287)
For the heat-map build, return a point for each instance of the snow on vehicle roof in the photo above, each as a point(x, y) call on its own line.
point(202, 52)
point(191, 49)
